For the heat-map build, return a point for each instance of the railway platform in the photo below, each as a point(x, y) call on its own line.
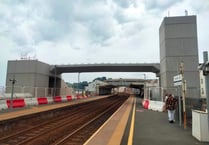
point(131, 124)
point(14, 113)
point(134, 125)
point(152, 127)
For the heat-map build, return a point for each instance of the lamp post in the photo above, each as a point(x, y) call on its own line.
point(55, 79)
point(78, 82)
point(13, 83)
point(145, 91)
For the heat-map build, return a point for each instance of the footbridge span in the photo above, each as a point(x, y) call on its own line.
point(107, 67)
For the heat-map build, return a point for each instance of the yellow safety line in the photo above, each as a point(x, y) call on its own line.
point(118, 133)
point(106, 122)
point(130, 138)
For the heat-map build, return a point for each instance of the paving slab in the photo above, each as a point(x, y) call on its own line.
point(153, 128)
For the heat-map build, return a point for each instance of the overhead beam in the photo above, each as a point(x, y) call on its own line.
point(136, 67)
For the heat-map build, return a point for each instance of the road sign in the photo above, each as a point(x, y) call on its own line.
point(177, 80)
point(177, 83)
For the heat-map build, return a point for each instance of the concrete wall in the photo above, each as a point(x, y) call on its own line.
point(30, 73)
point(178, 43)
point(65, 90)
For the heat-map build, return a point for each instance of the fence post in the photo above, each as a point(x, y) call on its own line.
point(45, 92)
point(36, 92)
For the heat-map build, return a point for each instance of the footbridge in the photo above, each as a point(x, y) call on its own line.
point(107, 67)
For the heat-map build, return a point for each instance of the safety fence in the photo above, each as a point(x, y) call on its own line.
point(28, 91)
point(155, 99)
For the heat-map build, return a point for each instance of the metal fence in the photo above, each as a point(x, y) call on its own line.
point(28, 91)
point(158, 93)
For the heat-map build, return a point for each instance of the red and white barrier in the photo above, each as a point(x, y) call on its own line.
point(3, 105)
point(69, 98)
point(145, 104)
point(153, 105)
point(57, 99)
point(22, 102)
point(31, 101)
point(42, 100)
point(156, 105)
point(16, 103)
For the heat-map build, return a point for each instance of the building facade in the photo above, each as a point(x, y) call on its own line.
point(32, 76)
point(178, 43)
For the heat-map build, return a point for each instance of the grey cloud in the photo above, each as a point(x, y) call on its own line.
point(63, 17)
point(159, 5)
point(200, 6)
point(123, 3)
point(102, 29)
point(54, 20)
point(120, 17)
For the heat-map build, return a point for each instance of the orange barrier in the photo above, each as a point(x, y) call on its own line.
point(57, 99)
point(42, 100)
point(69, 98)
point(16, 103)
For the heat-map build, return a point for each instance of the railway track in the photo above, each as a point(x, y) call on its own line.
point(72, 128)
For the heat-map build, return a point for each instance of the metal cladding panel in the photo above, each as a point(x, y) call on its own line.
point(162, 50)
point(190, 77)
point(180, 30)
point(163, 79)
point(180, 20)
point(27, 66)
point(181, 47)
point(193, 79)
point(190, 63)
point(41, 80)
point(163, 66)
point(21, 66)
point(22, 79)
point(28, 73)
point(162, 32)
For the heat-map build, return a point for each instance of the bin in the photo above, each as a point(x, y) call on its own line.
point(200, 125)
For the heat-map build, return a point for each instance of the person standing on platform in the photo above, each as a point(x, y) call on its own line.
point(171, 103)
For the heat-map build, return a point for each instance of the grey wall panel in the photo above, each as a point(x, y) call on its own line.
point(21, 66)
point(180, 20)
point(161, 33)
point(180, 30)
point(181, 47)
point(163, 79)
point(190, 63)
point(42, 68)
point(41, 80)
point(21, 79)
point(163, 66)
point(162, 50)
point(27, 66)
point(180, 39)
point(28, 73)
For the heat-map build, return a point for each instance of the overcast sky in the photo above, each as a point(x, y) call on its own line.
point(91, 31)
